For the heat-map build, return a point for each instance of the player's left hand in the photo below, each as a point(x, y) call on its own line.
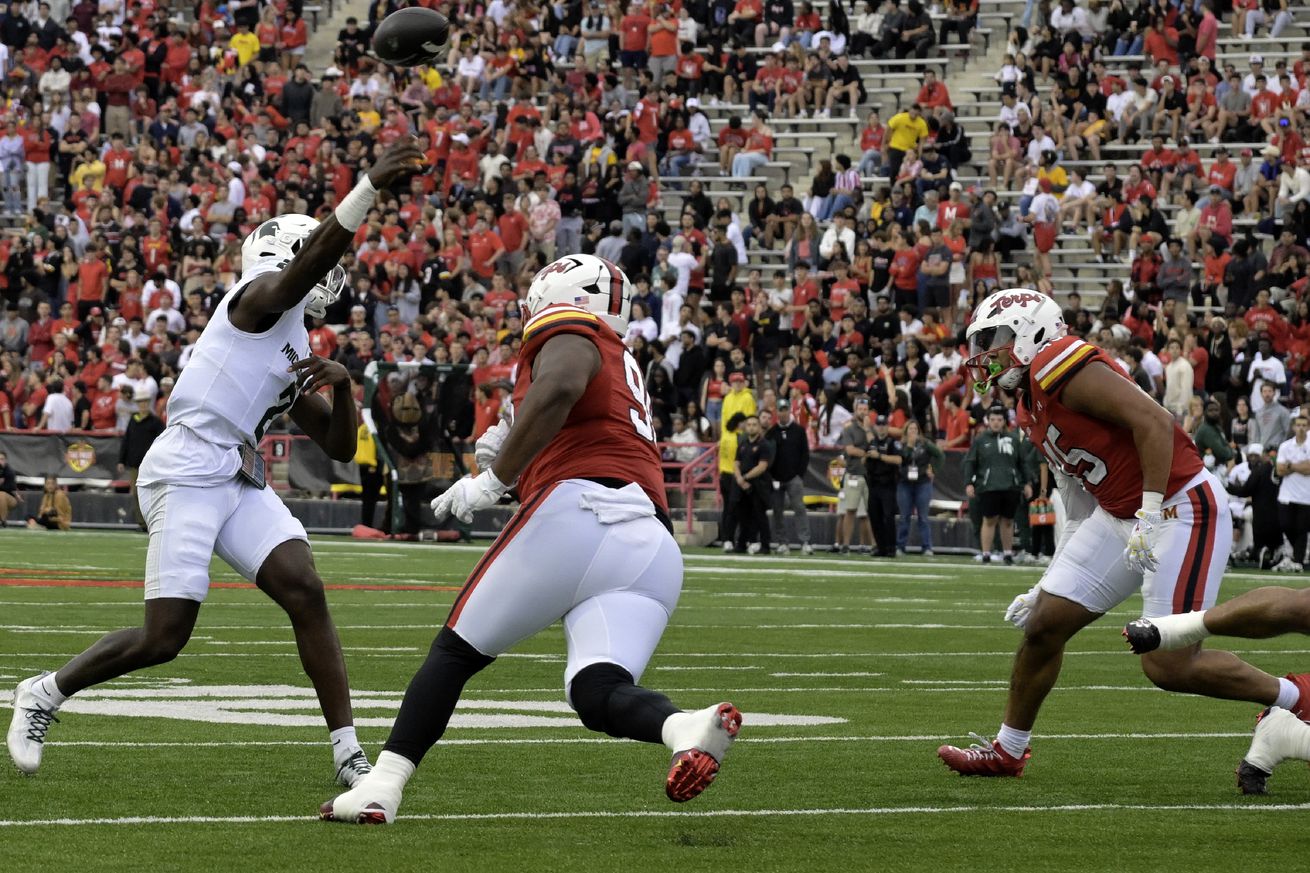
point(468, 495)
point(314, 373)
point(1022, 606)
point(1140, 552)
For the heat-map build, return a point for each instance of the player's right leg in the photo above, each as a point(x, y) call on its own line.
point(625, 600)
point(184, 523)
point(1088, 578)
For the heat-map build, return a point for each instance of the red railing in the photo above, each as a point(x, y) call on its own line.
point(701, 473)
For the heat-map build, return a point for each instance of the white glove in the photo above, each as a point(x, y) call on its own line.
point(467, 496)
point(488, 445)
point(1140, 552)
point(1022, 606)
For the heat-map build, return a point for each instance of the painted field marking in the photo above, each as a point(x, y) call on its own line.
point(609, 741)
point(866, 812)
point(824, 675)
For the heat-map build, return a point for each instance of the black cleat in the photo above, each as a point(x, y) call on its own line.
point(1142, 636)
point(1251, 779)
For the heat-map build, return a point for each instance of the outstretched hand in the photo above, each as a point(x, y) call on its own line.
point(403, 158)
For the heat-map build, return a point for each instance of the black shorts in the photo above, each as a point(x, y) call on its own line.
point(998, 503)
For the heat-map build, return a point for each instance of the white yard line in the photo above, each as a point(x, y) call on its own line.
point(607, 741)
point(865, 812)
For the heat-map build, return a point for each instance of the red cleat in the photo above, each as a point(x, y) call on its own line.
point(983, 758)
point(1301, 709)
point(692, 770)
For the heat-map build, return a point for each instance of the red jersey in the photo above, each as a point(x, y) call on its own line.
point(1100, 455)
point(609, 432)
point(104, 413)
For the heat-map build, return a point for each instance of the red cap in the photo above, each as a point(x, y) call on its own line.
point(737, 376)
point(1044, 184)
point(800, 385)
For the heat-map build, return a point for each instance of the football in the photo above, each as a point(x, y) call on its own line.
point(412, 36)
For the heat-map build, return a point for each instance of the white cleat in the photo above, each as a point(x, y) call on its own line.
point(1279, 735)
point(807, 549)
point(353, 769)
point(369, 802)
point(33, 715)
point(706, 736)
point(753, 549)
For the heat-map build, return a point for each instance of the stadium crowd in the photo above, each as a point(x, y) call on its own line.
point(140, 146)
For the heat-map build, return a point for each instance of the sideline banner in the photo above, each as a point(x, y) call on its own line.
point(67, 455)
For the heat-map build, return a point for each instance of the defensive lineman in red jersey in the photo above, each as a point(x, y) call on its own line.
point(1141, 512)
point(591, 545)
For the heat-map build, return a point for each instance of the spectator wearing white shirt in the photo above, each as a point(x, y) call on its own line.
point(469, 69)
point(1293, 467)
point(1070, 20)
point(1178, 380)
point(236, 186)
point(839, 239)
point(641, 324)
point(138, 380)
point(57, 413)
point(1265, 366)
point(172, 318)
point(1293, 187)
point(682, 260)
point(1140, 110)
point(1041, 142)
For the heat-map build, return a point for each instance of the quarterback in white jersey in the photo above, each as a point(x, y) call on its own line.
point(201, 486)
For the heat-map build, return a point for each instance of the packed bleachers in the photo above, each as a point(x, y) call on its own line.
point(813, 194)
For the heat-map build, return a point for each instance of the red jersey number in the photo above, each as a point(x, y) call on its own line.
point(640, 414)
point(1078, 463)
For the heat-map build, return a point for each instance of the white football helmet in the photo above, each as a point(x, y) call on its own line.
point(1008, 329)
point(586, 281)
point(279, 239)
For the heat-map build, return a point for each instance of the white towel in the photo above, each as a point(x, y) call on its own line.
point(617, 505)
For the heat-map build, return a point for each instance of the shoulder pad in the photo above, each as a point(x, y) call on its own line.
point(556, 319)
point(1058, 361)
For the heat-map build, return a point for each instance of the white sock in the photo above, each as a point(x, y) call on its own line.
point(47, 688)
point(1181, 630)
point(1014, 742)
point(1288, 694)
point(391, 771)
point(344, 744)
point(679, 731)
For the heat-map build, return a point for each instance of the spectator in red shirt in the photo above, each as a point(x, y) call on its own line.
point(512, 227)
point(933, 93)
point(92, 281)
point(38, 140)
point(634, 37)
point(485, 249)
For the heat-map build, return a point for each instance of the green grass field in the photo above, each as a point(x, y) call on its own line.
point(850, 673)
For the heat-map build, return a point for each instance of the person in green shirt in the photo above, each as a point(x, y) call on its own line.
point(994, 475)
point(1210, 439)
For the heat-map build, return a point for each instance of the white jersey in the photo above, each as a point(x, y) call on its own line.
point(234, 385)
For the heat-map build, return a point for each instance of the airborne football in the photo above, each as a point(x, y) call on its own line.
point(655, 435)
point(412, 36)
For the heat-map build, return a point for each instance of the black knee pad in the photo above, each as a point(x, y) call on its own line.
point(455, 648)
point(591, 690)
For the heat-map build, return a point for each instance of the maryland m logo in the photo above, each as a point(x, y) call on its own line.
point(1169, 512)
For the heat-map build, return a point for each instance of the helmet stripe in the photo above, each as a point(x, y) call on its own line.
point(616, 287)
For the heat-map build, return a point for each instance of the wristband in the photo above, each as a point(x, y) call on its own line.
point(352, 210)
point(494, 480)
point(1151, 501)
